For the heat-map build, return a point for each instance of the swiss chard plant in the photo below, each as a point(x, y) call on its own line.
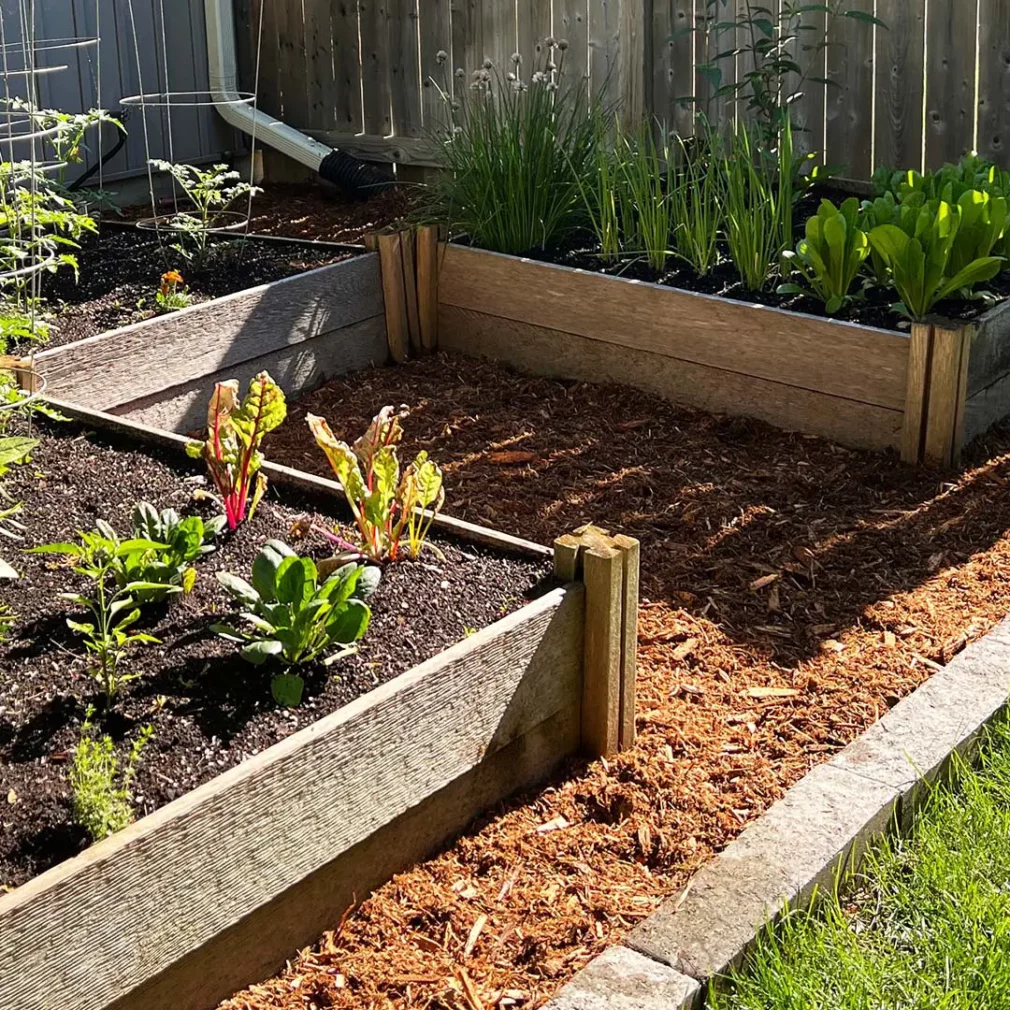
point(918, 252)
point(13, 450)
point(296, 615)
point(393, 511)
point(830, 257)
point(235, 432)
point(100, 556)
point(184, 541)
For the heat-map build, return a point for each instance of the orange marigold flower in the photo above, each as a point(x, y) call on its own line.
point(172, 277)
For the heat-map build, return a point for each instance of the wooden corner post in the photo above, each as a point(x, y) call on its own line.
point(395, 296)
point(427, 285)
point(608, 566)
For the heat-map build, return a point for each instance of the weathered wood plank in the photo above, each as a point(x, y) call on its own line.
point(293, 65)
point(803, 351)
point(632, 77)
point(427, 285)
point(919, 365)
point(947, 387)
point(544, 351)
point(242, 840)
point(499, 32)
point(985, 408)
point(118, 367)
point(467, 37)
point(631, 549)
point(807, 112)
point(849, 108)
point(375, 87)
point(604, 36)
point(258, 946)
point(403, 150)
point(571, 25)
point(672, 57)
point(900, 56)
point(994, 81)
point(533, 26)
point(346, 67)
point(990, 350)
point(404, 67)
point(601, 687)
point(320, 51)
point(950, 80)
point(435, 37)
point(296, 369)
point(394, 297)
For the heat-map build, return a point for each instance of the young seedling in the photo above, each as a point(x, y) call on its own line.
point(389, 510)
point(234, 434)
point(173, 294)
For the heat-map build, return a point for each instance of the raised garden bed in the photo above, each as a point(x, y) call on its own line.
point(925, 393)
point(217, 884)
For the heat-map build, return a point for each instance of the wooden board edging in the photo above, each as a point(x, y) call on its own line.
point(111, 369)
point(96, 928)
point(285, 476)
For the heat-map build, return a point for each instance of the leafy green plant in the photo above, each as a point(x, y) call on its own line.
point(515, 151)
point(645, 167)
point(697, 192)
point(102, 803)
point(101, 556)
point(173, 294)
point(753, 210)
point(830, 257)
point(783, 48)
point(296, 615)
point(184, 541)
point(7, 621)
point(235, 432)
point(918, 253)
point(388, 509)
point(210, 192)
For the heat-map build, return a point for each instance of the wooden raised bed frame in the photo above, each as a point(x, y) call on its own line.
point(925, 394)
point(214, 890)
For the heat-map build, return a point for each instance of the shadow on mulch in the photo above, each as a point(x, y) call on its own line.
point(778, 538)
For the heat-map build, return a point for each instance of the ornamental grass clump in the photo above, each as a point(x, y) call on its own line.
point(235, 432)
point(514, 150)
point(393, 512)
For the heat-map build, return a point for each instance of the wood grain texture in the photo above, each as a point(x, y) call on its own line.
point(632, 44)
point(919, 367)
point(947, 389)
point(320, 50)
point(401, 150)
point(243, 839)
point(571, 23)
point(603, 573)
point(533, 26)
point(435, 37)
point(604, 39)
point(467, 37)
point(346, 66)
point(631, 551)
point(394, 296)
point(293, 65)
point(404, 67)
point(807, 111)
point(994, 81)
point(427, 285)
point(849, 108)
point(498, 29)
point(124, 365)
point(544, 351)
point(804, 351)
point(899, 91)
point(258, 946)
point(950, 80)
point(285, 476)
point(983, 409)
point(296, 369)
point(408, 252)
point(990, 351)
point(373, 28)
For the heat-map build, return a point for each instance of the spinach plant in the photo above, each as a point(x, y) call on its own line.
point(184, 541)
point(390, 510)
point(296, 615)
point(235, 432)
point(918, 254)
point(100, 556)
point(830, 257)
point(210, 192)
point(102, 803)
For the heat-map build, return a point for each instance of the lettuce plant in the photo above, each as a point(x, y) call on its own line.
point(918, 253)
point(185, 540)
point(100, 556)
point(388, 508)
point(296, 614)
point(831, 255)
point(234, 434)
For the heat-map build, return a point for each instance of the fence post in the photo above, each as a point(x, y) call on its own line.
point(608, 566)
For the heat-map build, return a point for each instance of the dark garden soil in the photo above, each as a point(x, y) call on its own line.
point(121, 268)
point(209, 709)
point(874, 309)
point(793, 591)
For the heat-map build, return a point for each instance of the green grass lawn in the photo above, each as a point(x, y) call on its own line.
point(924, 926)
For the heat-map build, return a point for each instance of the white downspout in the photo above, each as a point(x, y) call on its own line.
point(223, 66)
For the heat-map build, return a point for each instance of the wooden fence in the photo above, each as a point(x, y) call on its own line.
point(933, 85)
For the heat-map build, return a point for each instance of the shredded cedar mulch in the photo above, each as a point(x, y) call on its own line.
point(794, 590)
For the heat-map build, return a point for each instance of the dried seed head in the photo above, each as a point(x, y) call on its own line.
point(563, 44)
point(539, 77)
point(510, 76)
point(441, 57)
point(517, 58)
point(551, 86)
point(551, 66)
point(551, 41)
point(488, 64)
point(460, 73)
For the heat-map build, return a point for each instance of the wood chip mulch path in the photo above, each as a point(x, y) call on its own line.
point(794, 590)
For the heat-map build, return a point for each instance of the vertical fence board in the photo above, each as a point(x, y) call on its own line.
point(533, 26)
point(571, 24)
point(672, 55)
point(374, 68)
point(994, 82)
point(321, 76)
point(293, 65)
point(467, 37)
point(436, 37)
point(604, 39)
point(346, 66)
point(950, 80)
point(807, 111)
point(849, 109)
point(898, 133)
point(404, 70)
point(708, 43)
point(498, 27)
